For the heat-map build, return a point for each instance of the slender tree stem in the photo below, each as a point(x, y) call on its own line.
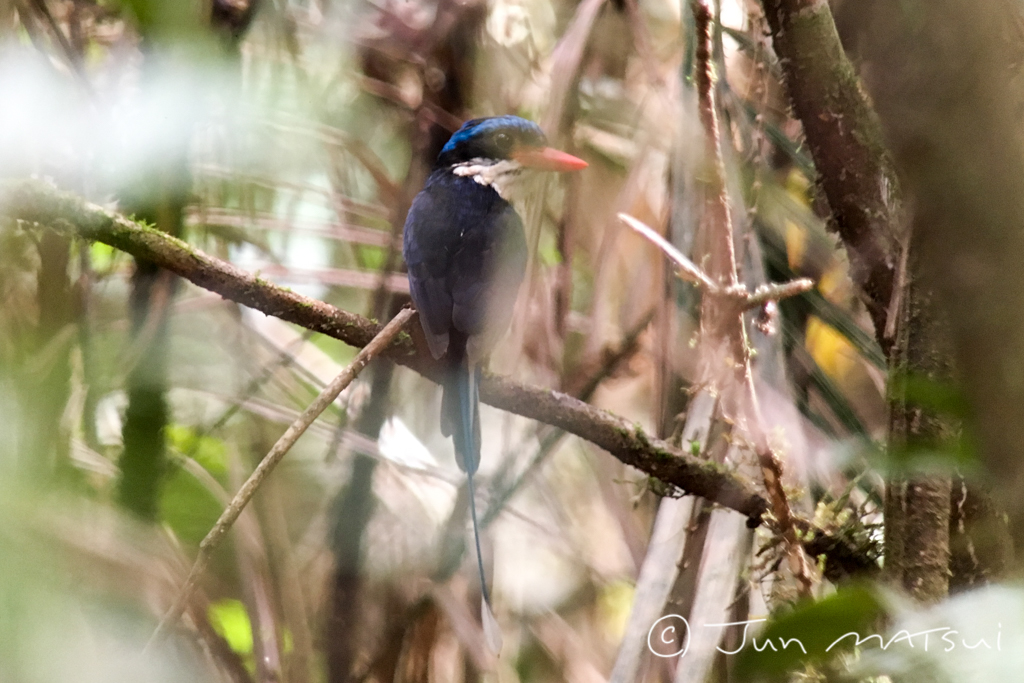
point(266, 466)
point(722, 325)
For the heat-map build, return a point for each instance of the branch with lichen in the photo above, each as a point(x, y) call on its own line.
point(41, 204)
point(34, 202)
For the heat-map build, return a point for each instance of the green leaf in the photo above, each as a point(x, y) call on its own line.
point(101, 256)
point(812, 632)
point(187, 507)
point(936, 395)
point(208, 451)
point(547, 249)
point(371, 257)
point(168, 19)
point(229, 618)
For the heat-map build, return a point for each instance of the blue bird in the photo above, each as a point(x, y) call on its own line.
point(466, 254)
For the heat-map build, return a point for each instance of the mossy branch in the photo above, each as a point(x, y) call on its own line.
point(39, 203)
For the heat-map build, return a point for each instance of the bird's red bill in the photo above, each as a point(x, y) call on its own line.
point(548, 159)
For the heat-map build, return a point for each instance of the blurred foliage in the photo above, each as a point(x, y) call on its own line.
point(231, 621)
point(811, 633)
point(307, 127)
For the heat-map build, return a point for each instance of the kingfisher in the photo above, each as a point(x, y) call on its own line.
point(465, 250)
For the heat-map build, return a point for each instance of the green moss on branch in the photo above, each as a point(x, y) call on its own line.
point(39, 203)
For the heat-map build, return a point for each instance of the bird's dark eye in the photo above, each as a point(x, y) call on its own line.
point(503, 141)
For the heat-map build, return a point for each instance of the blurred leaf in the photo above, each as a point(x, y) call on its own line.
point(547, 249)
point(818, 627)
point(831, 394)
point(836, 400)
point(952, 449)
point(614, 604)
point(815, 302)
point(796, 244)
point(690, 41)
point(102, 256)
point(339, 351)
point(792, 149)
point(371, 258)
point(188, 508)
point(844, 323)
point(830, 349)
point(936, 395)
point(208, 451)
point(958, 453)
point(169, 19)
point(924, 459)
point(745, 42)
point(230, 619)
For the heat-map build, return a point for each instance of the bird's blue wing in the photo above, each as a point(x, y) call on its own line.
point(426, 257)
point(485, 278)
point(466, 255)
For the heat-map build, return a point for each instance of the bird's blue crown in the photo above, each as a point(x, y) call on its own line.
point(495, 137)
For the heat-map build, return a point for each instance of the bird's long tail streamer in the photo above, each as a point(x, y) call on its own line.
point(469, 400)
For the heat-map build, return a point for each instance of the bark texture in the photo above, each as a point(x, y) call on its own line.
point(854, 171)
point(845, 140)
point(917, 506)
point(945, 75)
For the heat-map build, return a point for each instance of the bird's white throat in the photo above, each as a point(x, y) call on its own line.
point(501, 174)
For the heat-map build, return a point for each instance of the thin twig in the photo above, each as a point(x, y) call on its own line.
point(777, 291)
point(266, 466)
point(688, 270)
point(721, 319)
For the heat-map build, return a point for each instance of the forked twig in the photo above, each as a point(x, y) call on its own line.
point(688, 270)
point(283, 445)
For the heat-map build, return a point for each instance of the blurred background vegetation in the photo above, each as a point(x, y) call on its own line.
point(289, 137)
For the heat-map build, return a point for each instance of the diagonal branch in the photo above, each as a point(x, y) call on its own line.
point(270, 461)
point(39, 203)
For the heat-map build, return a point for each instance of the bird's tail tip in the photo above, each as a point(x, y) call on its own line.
point(492, 631)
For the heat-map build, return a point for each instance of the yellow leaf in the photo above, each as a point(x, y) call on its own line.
point(830, 350)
